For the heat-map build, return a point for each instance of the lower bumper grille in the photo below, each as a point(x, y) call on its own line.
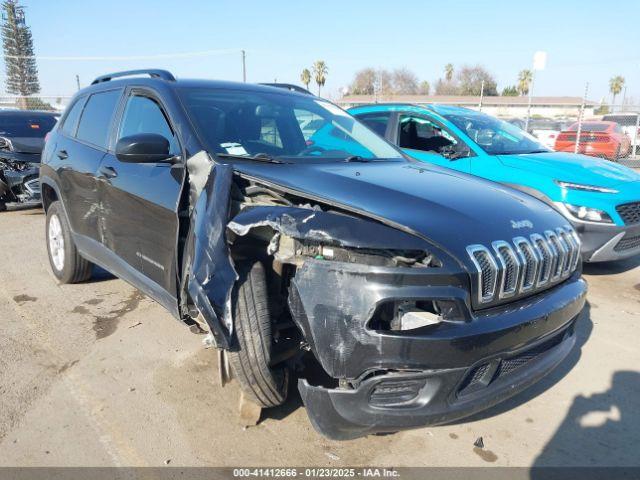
point(485, 374)
point(628, 243)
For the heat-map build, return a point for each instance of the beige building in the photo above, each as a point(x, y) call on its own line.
point(506, 107)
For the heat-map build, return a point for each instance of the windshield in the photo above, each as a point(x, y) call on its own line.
point(590, 127)
point(495, 136)
point(249, 123)
point(36, 126)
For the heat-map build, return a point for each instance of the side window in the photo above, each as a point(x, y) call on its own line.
point(376, 121)
point(71, 120)
point(418, 133)
point(309, 122)
point(269, 132)
point(144, 115)
point(96, 118)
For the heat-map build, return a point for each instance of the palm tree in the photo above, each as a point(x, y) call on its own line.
point(448, 72)
point(320, 71)
point(305, 77)
point(615, 87)
point(524, 81)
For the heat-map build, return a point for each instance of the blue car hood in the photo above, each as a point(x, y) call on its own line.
point(572, 168)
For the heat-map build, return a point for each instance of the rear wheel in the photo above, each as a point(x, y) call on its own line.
point(66, 263)
point(264, 384)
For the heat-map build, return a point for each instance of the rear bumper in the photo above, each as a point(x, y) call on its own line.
point(605, 243)
point(428, 376)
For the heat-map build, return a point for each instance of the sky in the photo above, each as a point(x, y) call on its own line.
point(585, 40)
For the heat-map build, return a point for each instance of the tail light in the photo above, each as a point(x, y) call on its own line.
point(566, 136)
point(46, 137)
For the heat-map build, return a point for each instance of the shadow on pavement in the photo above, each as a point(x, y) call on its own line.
point(601, 430)
point(608, 268)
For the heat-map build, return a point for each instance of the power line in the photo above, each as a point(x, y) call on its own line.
point(203, 53)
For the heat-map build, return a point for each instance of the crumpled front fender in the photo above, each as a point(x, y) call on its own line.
point(209, 273)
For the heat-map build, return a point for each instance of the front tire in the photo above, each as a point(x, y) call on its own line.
point(66, 263)
point(265, 385)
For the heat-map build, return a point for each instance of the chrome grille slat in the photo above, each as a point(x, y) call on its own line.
point(487, 270)
point(525, 264)
point(509, 266)
point(529, 262)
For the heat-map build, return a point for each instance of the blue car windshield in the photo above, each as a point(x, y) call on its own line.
point(280, 125)
point(494, 136)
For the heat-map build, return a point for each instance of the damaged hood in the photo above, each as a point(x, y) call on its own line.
point(447, 208)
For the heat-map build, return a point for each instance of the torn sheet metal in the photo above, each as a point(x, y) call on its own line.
point(211, 274)
point(327, 227)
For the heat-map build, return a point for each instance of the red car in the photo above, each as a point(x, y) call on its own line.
point(597, 138)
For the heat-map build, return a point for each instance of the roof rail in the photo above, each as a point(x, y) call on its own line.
point(153, 73)
point(290, 87)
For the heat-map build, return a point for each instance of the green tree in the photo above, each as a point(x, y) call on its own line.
point(510, 91)
point(424, 88)
point(448, 72)
point(320, 71)
point(615, 87)
point(524, 81)
point(19, 60)
point(305, 77)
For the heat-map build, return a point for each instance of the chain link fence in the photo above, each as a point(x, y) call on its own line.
point(49, 103)
point(603, 131)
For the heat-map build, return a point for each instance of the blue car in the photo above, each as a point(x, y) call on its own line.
point(601, 199)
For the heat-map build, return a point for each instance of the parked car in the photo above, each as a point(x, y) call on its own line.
point(597, 139)
point(546, 130)
point(21, 138)
point(400, 294)
point(601, 199)
point(629, 124)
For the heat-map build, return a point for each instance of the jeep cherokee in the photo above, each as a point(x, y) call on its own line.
point(398, 294)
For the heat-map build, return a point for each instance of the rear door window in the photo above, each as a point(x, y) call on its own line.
point(376, 121)
point(96, 118)
point(71, 120)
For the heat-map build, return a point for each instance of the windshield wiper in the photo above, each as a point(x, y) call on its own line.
point(356, 158)
point(258, 157)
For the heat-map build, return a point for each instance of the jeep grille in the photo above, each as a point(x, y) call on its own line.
point(524, 265)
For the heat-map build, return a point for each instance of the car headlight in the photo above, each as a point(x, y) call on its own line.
point(583, 187)
point(586, 214)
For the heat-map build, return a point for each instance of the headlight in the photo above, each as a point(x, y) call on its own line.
point(586, 214)
point(584, 188)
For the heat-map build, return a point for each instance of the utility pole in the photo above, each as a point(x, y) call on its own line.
point(526, 122)
point(481, 96)
point(78, 81)
point(580, 116)
point(539, 62)
point(244, 66)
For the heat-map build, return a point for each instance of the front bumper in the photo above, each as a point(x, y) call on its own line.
point(604, 243)
point(432, 375)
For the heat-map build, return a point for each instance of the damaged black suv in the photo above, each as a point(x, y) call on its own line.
point(397, 294)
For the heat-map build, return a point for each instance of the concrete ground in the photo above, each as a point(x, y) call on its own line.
point(98, 375)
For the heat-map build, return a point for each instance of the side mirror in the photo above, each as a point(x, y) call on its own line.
point(454, 152)
point(143, 148)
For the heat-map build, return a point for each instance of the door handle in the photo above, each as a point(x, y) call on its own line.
point(108, 172)
point(62, 154)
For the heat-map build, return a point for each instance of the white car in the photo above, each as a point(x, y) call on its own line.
point(546, 130)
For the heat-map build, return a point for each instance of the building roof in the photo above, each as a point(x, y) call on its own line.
point(464, 100)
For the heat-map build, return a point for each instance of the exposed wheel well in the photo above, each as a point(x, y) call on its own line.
point(48, 196)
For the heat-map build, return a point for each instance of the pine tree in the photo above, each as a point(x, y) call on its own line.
point(20, 64)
